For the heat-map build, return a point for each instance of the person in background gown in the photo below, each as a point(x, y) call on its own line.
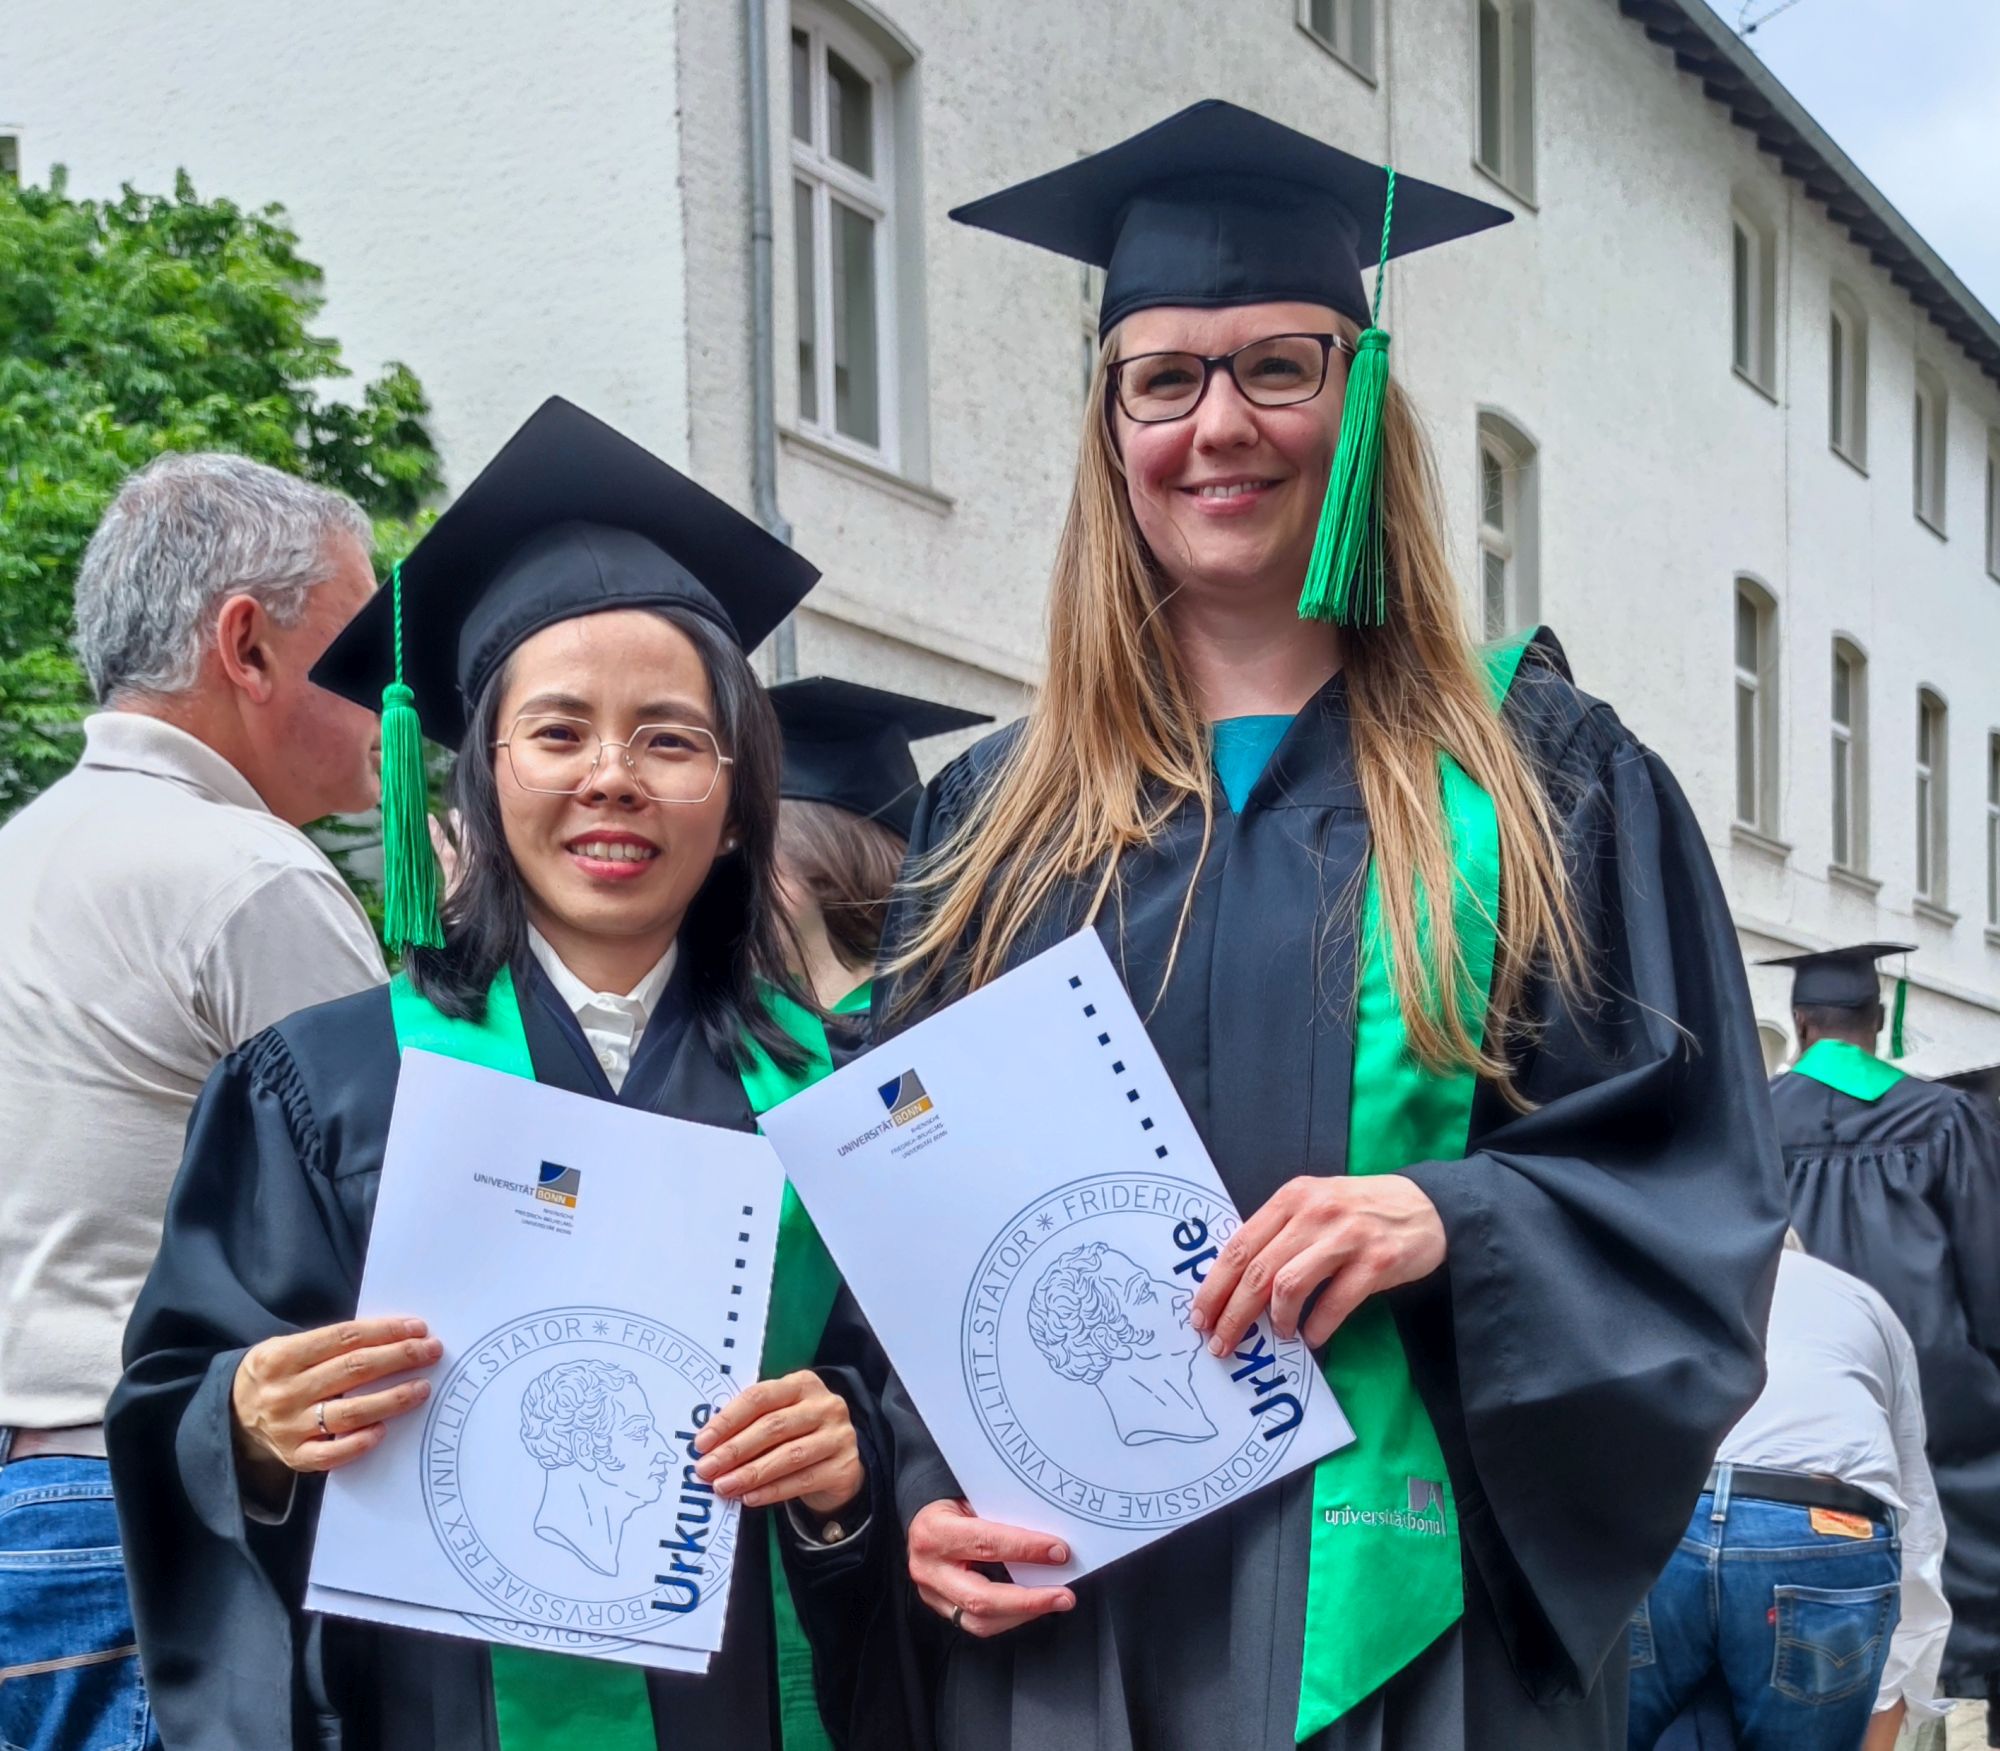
point(1897, 1181)
point(1543, 1315)
point(848, 794)
point(576, 626)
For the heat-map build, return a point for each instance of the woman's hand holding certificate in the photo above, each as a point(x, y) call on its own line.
point(784, 1440)
point(1341, 1239)
point(287, 1398)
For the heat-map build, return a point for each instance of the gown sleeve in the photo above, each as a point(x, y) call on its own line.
point(215, 1590)
point(1599, 1322)
point(1969, 1191)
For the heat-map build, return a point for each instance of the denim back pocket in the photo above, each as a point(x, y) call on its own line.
point(1832, 1641)
point(1639, 1633)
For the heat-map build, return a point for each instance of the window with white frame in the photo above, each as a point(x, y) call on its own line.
point(1504, 143)
point(1847, 378)
point(1850, 758)
point(1927, 451)
point(1993, 504)
point(1993, 831)
point(1753, 298)
point(843, 205)
point(1756, 708)
point(1347, 27)
point(1508, 594)
point(1932, 746)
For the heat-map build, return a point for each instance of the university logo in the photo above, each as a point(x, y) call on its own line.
point(905, 1098)
point(558, 1184)
point(1426, 1495)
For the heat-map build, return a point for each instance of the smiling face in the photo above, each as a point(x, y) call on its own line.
point(609, 862)
point(1228, 498)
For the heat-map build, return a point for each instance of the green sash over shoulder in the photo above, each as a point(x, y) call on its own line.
point(555, 1702)
point(1848, 1069)
point(1385, 1581)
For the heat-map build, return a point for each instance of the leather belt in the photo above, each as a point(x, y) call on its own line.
point(1800, 1489)
point(83, 1441)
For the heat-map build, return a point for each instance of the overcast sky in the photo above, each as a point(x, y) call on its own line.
point(1910, 90)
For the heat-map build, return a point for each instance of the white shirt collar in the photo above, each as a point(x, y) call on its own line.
point(613, 1024)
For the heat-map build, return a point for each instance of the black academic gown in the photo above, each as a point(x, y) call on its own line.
point(1598, 1325)
point(1904, 1193)
point(265, 1233)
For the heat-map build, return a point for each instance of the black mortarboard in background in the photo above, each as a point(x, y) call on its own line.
point(570, 518)
point(849, 745)
point(1219, 205)
point(1838, 978)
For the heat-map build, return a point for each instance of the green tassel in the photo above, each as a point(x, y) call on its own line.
point(1347, 578)
point(1897, 1044)
point(409, 865)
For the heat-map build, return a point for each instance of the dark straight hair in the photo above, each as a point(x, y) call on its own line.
point(734, 941)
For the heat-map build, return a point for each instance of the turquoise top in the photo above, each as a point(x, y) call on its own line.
point(1243, 747)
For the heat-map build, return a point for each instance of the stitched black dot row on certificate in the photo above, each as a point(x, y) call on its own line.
point(743, 1239)
point(1118, 1067)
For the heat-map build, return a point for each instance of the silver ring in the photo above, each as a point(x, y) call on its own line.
point(958, 1617)
point(319, 1416)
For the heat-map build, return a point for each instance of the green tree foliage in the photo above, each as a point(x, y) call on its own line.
point(152, 323)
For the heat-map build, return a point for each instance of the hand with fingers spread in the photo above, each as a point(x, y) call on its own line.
point(947, 1539)
point(288, 1402)
point(1346, 1238)
point(784, 1440)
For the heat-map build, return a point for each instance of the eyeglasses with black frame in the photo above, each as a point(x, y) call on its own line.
point(1281, 370)
point(559, 756)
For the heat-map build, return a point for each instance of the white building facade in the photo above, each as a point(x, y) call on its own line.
point(1707, 406)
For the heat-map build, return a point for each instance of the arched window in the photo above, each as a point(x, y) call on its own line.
point(1847, 377)
point(1753, 295)
point(1850, 758)
point(1756, 708)
point(1932, 796)
point(1776, 1045)
point(1508, 494)
point(1929, 424)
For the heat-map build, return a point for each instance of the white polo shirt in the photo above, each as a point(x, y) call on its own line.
point(154, 915)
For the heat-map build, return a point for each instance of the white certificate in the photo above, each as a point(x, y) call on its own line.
point(599, 1278)
point(1021, 1205)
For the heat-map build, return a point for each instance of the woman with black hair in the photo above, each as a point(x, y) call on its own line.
point(577, 624)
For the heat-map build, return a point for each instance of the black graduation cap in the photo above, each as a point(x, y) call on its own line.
point(1840, 978)
point(570, 518)
point(849, 745)
point(1219, 205)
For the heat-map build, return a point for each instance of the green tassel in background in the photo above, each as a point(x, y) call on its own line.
point(409, 865)
point(1897, 1045)
point(1347, 578)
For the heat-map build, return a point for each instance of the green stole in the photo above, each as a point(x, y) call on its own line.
point(1385, 1580)
point(549, 1702)
point(1848, 1069)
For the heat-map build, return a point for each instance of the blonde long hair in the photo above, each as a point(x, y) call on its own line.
point(1116, 743)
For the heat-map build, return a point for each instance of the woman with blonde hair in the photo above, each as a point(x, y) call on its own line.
point(1435, 954)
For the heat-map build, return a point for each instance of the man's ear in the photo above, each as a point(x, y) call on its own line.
point(243, 647)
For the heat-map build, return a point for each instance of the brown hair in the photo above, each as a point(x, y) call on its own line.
point(1115, 744)
point(848, 865)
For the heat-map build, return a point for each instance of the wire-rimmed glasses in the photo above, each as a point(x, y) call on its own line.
point(559, 756)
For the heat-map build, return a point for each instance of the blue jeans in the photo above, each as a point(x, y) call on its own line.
point(1794, 1623)
point(69, 1665)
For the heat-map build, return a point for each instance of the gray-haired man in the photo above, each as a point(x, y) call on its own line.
point(158, 906)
